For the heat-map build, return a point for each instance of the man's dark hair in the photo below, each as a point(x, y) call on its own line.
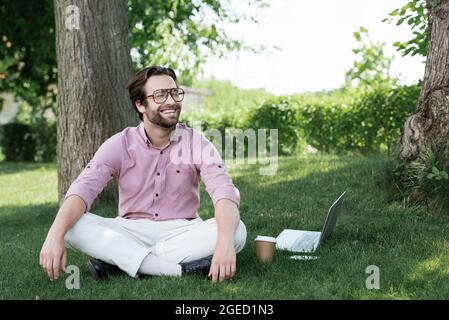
point(135, 86)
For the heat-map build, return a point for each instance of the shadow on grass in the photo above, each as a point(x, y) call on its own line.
point(15, 167)
point(370, 229)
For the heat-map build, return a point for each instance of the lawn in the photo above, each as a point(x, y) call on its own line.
point(409, 246)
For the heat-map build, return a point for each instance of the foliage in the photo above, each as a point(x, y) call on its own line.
point(42, 133)
point(229, 107)
point(370, 64)
point(31, 143)
point(368, 120)
point(277, 113)
point(175, 33)
point(226, 107)
point(414, 14)
point(421, 181)
point(45, 134)
point(364, 119)
point(27, 51)
point(17, 142)
point(225, 104)
point(182, 33)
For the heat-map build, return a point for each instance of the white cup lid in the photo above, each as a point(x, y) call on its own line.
point(264, 238)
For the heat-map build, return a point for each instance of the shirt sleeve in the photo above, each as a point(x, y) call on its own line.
point(213, 171)
point(99, 171)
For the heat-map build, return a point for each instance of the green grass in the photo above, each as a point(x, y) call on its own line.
point(409, 246)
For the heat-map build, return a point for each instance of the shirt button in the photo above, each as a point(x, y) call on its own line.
point(177, 171)
point(158, 174)
point(157, 194)
point(156, 214)
point(162, 152)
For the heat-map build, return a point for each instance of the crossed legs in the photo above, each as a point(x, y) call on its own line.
point(146, 246)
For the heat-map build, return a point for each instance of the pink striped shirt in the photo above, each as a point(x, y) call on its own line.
point(156, 183)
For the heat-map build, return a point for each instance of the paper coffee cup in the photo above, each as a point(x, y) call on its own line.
point(265, 248)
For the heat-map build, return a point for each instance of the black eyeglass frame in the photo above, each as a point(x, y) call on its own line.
point(180, 91)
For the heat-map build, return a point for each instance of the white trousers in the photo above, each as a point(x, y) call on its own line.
point(126, 242)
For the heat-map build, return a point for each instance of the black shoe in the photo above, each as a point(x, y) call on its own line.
point(101, 270)
point(199, 267)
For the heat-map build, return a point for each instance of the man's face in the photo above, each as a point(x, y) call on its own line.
point(165, 114)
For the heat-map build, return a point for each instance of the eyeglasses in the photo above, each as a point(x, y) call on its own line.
point(161, 95)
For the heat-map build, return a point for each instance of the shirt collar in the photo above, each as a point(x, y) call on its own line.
point(174, 135)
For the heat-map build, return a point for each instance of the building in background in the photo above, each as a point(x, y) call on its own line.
point(9, 109)
point(194, 98)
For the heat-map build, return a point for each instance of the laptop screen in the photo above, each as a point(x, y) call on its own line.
point(331, 218)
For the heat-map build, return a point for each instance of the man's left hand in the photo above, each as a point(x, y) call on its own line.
point(223, 262)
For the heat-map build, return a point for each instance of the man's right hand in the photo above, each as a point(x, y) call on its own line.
point(53, 256)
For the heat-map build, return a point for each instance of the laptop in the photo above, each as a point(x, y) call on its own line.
point(309, 241)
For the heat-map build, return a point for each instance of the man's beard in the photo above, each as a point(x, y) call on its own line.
point(156, 118)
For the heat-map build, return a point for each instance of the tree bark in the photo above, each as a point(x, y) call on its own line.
point(428, 128)
point(94, 65)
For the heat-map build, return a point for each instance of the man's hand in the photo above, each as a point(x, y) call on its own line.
point(223, 262)
point(53, 256)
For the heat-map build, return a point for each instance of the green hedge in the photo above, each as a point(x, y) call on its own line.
point(277, 114)
point(29, 143)
point(45, 134)
point(367, 120)
point(17, 142)
point(364, 119)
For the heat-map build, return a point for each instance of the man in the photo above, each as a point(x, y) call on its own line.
point(158, 165)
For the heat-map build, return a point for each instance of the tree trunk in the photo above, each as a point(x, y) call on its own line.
point(428, 127)
point(94, 65)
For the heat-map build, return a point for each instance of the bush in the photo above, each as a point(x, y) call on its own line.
point(320, 125)
point(365, 119)
point(420, 182)
point(228, 107)
point(368, 119)
point(277, 113)
point(17, 142)
point(220, 121)
point(30, 143)
point(45, 135)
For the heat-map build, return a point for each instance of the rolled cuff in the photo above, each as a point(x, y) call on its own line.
point(230, 193)
point(81, 191)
